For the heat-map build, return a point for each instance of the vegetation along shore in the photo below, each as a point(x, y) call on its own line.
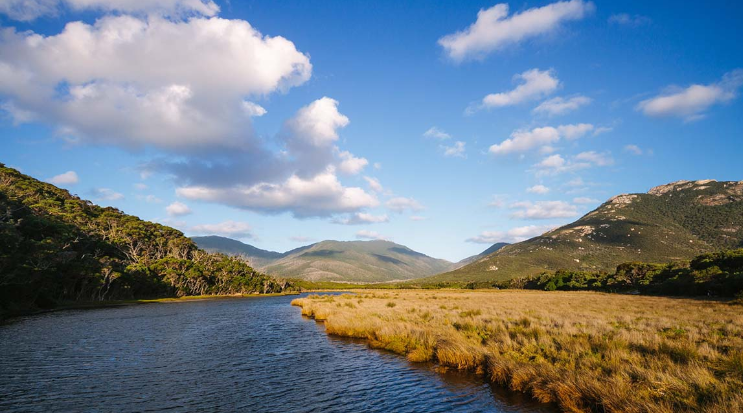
point(585, 351)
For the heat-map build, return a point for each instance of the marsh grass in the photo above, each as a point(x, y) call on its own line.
point(584, 351)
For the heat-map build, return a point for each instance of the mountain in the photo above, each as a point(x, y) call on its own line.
point(671, 222)
point(493, 248)
point(56, 248)
point(257, 257)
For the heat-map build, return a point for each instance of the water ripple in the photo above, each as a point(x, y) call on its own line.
point(257, 355)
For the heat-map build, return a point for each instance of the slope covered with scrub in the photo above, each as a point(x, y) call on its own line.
point(670, 223)
point(56, 248)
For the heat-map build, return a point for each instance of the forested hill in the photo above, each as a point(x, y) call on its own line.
point(57, 248)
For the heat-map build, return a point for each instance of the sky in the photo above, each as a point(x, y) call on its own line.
point(444, 126)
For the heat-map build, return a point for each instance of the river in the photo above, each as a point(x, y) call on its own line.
point(249, 354)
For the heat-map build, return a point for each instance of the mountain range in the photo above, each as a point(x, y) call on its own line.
point(671, 222)
point(354, 261)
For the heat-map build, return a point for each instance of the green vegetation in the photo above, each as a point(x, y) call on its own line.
point(670, 223)
point(56, 248)
point(718, 274)
point(338, 261)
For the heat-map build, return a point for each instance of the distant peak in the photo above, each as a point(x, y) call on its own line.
point(678, 186)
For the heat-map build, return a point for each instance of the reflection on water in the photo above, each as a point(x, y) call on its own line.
point(255, 354)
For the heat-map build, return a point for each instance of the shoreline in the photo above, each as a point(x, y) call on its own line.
point(582, 351)
point(92, 305)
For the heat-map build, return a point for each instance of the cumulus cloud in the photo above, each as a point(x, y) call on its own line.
point(401, 204)
point(456, 150)
point(67, 178)
point(321, 195)
point(692, 103)
point(178, 209)
point(370, 235)
point(106, 194)
point(361, 218)
point(535, 84)
point(350, 164)
point(524, 140)
point(27, 10)
point(593, 157)
point(137, 82)
point(556, 164)
point(232, 229)
point(517, 234)
point(301, 180)
point(538, 189)
point(495, 29)
point(543, 210)
point(436, 133)
point(560, 106)
point(374, 184)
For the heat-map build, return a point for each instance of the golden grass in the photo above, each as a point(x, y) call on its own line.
point(584, 351)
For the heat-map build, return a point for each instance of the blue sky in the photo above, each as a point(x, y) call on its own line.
point(424, 123)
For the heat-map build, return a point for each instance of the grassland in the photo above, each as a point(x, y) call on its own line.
point(584, 351)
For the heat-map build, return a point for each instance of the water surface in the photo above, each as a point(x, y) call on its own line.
point(253, 355)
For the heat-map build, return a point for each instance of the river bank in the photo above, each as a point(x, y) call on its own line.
point(583, 351)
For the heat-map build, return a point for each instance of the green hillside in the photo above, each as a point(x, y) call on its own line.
point(57, 248)
point(256, 257)
point(671, 222)
point(356, 261)
point(493, 248)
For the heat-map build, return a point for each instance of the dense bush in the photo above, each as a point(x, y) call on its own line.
point(715, 274)
point(56, 247)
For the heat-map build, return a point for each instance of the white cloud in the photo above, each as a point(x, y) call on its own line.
point(560, 106)
point(523, 140)
point(536, 84)
point(517, 234)
point(67, 178)
point(538, 189)
point(178, 209)
point(233, 229)
point(543, 210)
point(27, 10)
point(150, 199)
point(140, 186)
point(350, 164)
point(692, 102)
point(374, 184)
point(301, 180)
point(106, 194)
point(456, 150)
point(633, 149)
point(253, 109)
point(498, 201)
point(494, 29)
point(417, 218)
point(626, 19)
point(571, 132)
point(149, 81)
point(585, 200)
point(360, 218)
point(371, 235)
point(436, 133)
point(598, 159)
point(317, 124)
point(321, 195)
point(401, 204)
point(556, 164)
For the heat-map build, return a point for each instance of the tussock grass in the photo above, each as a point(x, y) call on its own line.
point(584, 351)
